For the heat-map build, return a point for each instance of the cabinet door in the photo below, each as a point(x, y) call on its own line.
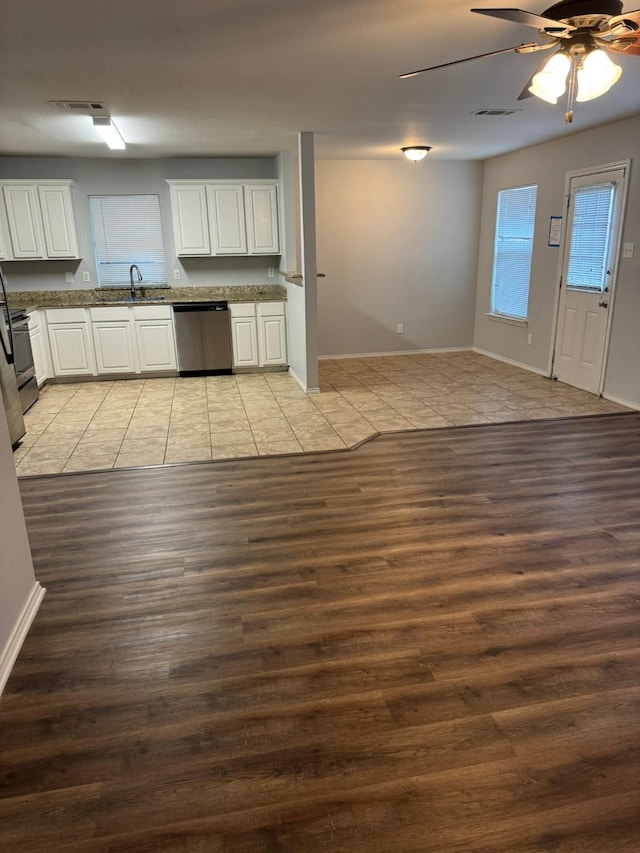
point(58, 222)
point(261, 204)
point(227, 219)
point(4, 244)
point(156, 346)
point(113, 343)
point(25, 224)
point(71, 350)
point(273, 343)
point(190, 221)
point(245, 341)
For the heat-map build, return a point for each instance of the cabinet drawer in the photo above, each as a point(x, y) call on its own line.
point(110, 312)
point(66, 315)
point(152, 312)
point(271, 309)
point(242, 309)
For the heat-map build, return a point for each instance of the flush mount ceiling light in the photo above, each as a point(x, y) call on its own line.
point(584, 31)
point(109, 132)
point(416, 153)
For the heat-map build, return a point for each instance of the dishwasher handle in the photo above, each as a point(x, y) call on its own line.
point(179, 307)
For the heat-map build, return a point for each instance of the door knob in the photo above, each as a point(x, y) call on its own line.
point(603, 303)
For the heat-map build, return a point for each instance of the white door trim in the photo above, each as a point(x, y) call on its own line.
point(579, 173)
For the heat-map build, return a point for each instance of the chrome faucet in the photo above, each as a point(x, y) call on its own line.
point(132, 287)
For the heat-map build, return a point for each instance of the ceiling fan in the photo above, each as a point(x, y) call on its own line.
point(585, 31)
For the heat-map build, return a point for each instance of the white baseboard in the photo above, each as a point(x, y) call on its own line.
point(511, 361)
point(399, 352)
point(14, 643)
point(621, 401)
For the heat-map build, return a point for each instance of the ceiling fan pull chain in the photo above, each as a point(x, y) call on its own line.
point(571, 89)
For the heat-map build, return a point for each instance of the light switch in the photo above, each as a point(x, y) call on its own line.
point(86, 275)
point(68, 277)
point(628, 249)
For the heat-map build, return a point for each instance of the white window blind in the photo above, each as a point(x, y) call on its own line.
point(590, 236)
point(513, 247)
point(127, 230)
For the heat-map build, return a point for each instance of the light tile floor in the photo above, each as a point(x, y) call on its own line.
point(97, 425)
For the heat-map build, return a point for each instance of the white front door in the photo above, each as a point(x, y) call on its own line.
point(588, 277)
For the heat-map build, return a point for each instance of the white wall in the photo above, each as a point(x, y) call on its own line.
point(118, 175)
point(547, 165)
point(398, 243)
point(20, 594)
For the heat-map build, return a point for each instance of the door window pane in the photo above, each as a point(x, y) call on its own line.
point(591, 236)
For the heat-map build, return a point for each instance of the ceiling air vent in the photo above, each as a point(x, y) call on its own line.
point(495, 112)
point(89, 107)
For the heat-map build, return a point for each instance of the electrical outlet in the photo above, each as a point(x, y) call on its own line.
point(529, 339)
point(68, 277)
point(400, 328)
point(628, 249)
point(86, 275)
point(271, 272)
point(176, 275)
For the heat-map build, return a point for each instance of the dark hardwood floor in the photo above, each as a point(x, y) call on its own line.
point(431, 643)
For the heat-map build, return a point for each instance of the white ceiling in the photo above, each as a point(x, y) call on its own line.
point(242, 77)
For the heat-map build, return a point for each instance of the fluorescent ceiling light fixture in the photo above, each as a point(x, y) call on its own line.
point(551, 81)
point(109, 132)
point(597, 75)
point(416, 152)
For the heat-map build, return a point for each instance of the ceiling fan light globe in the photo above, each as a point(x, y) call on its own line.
point(551, 81)
point(597, 75)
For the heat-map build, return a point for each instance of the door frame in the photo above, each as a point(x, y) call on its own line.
point(590, 171)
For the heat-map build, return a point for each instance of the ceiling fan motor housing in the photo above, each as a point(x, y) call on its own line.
point(579, 8)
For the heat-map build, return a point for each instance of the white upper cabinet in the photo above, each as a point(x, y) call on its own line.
point(225, 217)
point(25, 221)
point(225, 204)
point(60, 236)
point(190, 221)
point(40, 220)
point(261, 203)
point(4, 254)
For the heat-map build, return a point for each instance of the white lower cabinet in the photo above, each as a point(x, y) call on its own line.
point(109, 340)
point(258, 334)
point(272, 336)
point(71, 348)
point(244, 334)
point(39, 346)
point(155, 339)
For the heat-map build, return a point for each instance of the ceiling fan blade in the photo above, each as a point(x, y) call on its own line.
point(467, 59)
point(627, 22)
point(519, 16)
point(525, 92)
point(629, 45)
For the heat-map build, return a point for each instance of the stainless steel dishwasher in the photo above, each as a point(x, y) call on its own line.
point(203, 338)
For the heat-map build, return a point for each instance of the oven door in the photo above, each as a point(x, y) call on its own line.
point(22, 355)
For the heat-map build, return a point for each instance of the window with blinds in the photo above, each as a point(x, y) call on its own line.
point(515, 221)
point(127, 230)
point(591, 236)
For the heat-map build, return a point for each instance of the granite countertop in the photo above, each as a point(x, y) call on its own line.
point(114, 295)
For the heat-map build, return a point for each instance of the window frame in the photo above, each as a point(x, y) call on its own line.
point(523, 260)
point(149, 256)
